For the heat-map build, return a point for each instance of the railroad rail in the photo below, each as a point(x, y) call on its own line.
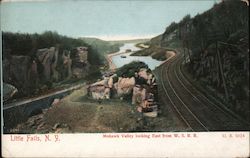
point(196, 110)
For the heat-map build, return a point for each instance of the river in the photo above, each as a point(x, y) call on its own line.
point(118, 61)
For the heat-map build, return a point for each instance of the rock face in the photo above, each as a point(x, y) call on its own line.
point(82, 54)
point(149, 77)
point(124, 86)
point(80, 63)
point(139, 94)
point(141, 89)
point(67, 63)
point(101, 89)
point(29, 74)
point(49, 57)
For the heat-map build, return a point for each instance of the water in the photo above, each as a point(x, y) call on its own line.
point(119, 62)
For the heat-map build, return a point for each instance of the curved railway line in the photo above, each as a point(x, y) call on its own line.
point(196, 110)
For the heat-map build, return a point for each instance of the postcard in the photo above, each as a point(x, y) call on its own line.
point(125, 78)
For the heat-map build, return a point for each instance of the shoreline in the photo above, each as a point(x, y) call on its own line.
point(112, 66)
point(108, 57)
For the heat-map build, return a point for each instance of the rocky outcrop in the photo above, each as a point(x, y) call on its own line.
point(124, 86)
point(149, 77)
point(101, 89)
point(139, 94)
point(67, 63)
point(82, 55)
point(80, 63)
point(141, 88)
point(8, 91)
point(48, 57)
point(32, 74)
point(75, 63)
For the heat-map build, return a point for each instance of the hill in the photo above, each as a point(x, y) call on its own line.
point(102, 47)
point(216, 46)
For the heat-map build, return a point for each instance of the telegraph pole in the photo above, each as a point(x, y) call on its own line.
point(184, 50)
point(184, 56)
point(221, 72)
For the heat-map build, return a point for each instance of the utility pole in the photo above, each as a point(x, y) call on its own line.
point(184, 56)
point(184, 50)
point(188, 51)
point(188, 30)
point(221, 72)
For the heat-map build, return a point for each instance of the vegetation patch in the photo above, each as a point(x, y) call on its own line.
point(216, 44)
point(102, 47)
point(156, 52)
point(129, 69)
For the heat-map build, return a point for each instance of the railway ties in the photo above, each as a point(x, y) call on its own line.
point(181, 108)
point(198, 111)
point(210, 114)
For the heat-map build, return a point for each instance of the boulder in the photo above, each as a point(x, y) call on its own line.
point(149, 77)
point(55, 102)
point(80, 65)
point(8, 91)
point(143, 73)
point(99, 91)
point(124, 86)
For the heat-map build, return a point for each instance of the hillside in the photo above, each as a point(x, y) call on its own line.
point(102, 47)
point(216, 46)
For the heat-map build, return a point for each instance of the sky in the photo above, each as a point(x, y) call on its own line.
point(106, 19)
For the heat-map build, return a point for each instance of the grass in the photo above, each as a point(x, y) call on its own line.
point(159, 56)
point(83, 114)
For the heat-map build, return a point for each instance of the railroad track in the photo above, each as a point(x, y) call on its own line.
point(193, 107)
point(188, 117)
point(29, 100)
point(225, 119)
point(208, 98)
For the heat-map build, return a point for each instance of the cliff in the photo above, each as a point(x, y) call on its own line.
point(32, 75)
point(32, 69)
point(216, 46)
